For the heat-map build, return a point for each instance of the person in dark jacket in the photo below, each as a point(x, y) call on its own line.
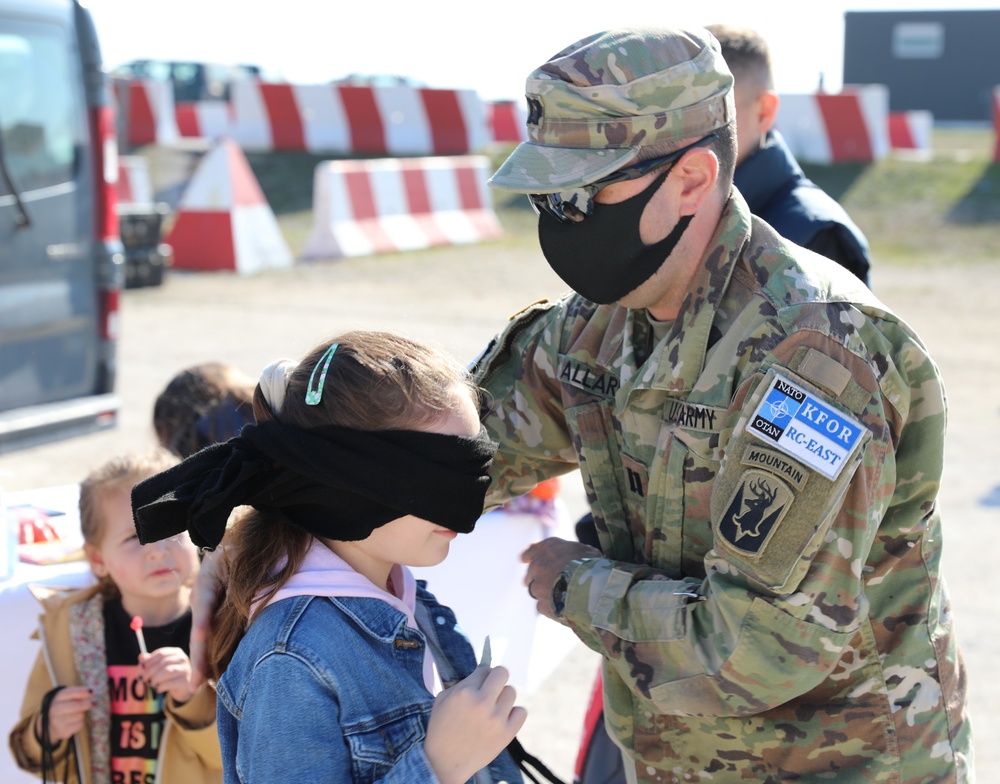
point(767, 174)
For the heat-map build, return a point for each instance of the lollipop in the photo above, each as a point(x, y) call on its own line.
point(137, 628)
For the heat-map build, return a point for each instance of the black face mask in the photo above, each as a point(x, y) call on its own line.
point(602, 257)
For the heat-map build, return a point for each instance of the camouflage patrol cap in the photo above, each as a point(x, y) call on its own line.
point(595, 103)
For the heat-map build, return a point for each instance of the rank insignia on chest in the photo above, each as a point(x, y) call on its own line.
point(801, 425)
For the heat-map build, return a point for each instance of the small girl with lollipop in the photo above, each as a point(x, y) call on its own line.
point(110, 696)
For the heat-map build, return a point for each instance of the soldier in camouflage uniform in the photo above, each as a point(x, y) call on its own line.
point(760, 438)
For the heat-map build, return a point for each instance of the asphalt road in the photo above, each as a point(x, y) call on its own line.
point(459, 298)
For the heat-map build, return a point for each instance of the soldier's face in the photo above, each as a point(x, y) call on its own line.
point(654, 224)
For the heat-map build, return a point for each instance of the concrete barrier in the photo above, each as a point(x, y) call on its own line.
point(323, 119)
point(146, 112)
point(911, 130)
point(223, 220)
point(850, 127)
point(506, 120)
point(362, 208)
point(204, 119)
point(134, 185)
point(350, 119)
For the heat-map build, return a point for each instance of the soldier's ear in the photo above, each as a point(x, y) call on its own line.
point(697, 172)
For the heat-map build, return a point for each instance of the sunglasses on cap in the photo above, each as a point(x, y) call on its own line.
point(572, 206)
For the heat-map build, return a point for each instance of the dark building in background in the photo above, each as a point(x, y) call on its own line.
point(944, 61)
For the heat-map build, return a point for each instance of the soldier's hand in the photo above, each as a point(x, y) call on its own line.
point(546, 559)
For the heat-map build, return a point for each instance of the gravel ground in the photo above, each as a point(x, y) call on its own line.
point(458, 298)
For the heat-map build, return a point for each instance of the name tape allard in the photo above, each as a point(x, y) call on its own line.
point(805, 427)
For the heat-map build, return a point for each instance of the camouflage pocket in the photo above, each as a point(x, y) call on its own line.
point(603, 472)
point(679, 503)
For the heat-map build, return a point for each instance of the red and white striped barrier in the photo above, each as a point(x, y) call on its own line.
point(134, 184)
point(325, 119)
point(996, 122)
point(911, 130)
point(223, 221)
point(362, 208)
point(852, 126)
point(355, 119)
point(506, 121)
point(204, 119)
point(146, 108)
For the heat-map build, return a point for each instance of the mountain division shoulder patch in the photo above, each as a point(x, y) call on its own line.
point(758, 504)
point(791, 471)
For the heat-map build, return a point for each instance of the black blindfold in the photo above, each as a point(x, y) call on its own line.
point(334, 482)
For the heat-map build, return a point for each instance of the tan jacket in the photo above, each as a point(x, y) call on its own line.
point(71, 631)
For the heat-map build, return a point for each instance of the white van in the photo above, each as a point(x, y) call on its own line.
point(61, 262)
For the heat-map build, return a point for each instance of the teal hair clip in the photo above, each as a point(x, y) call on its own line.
point(314, 395)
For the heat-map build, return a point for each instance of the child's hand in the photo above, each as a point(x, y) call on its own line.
point(66, 713)
point(168, 670)
point(471, 723)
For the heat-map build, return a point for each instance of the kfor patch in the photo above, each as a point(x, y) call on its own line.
point(801, 425)
point(758, 504)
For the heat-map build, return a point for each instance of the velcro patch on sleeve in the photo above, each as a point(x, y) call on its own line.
point(784, 476)
point(805, 427)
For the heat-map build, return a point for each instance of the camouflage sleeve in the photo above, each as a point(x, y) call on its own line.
point(713, 648)
point(518, 373)
point(806, 532)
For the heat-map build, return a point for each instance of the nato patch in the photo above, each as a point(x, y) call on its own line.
point(805, 427)
point(756, 507)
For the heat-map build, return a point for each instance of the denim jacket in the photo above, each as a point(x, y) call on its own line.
point(332, 689)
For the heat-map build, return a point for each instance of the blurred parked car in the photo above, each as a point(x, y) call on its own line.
point(378, 80)
point(192, 81)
